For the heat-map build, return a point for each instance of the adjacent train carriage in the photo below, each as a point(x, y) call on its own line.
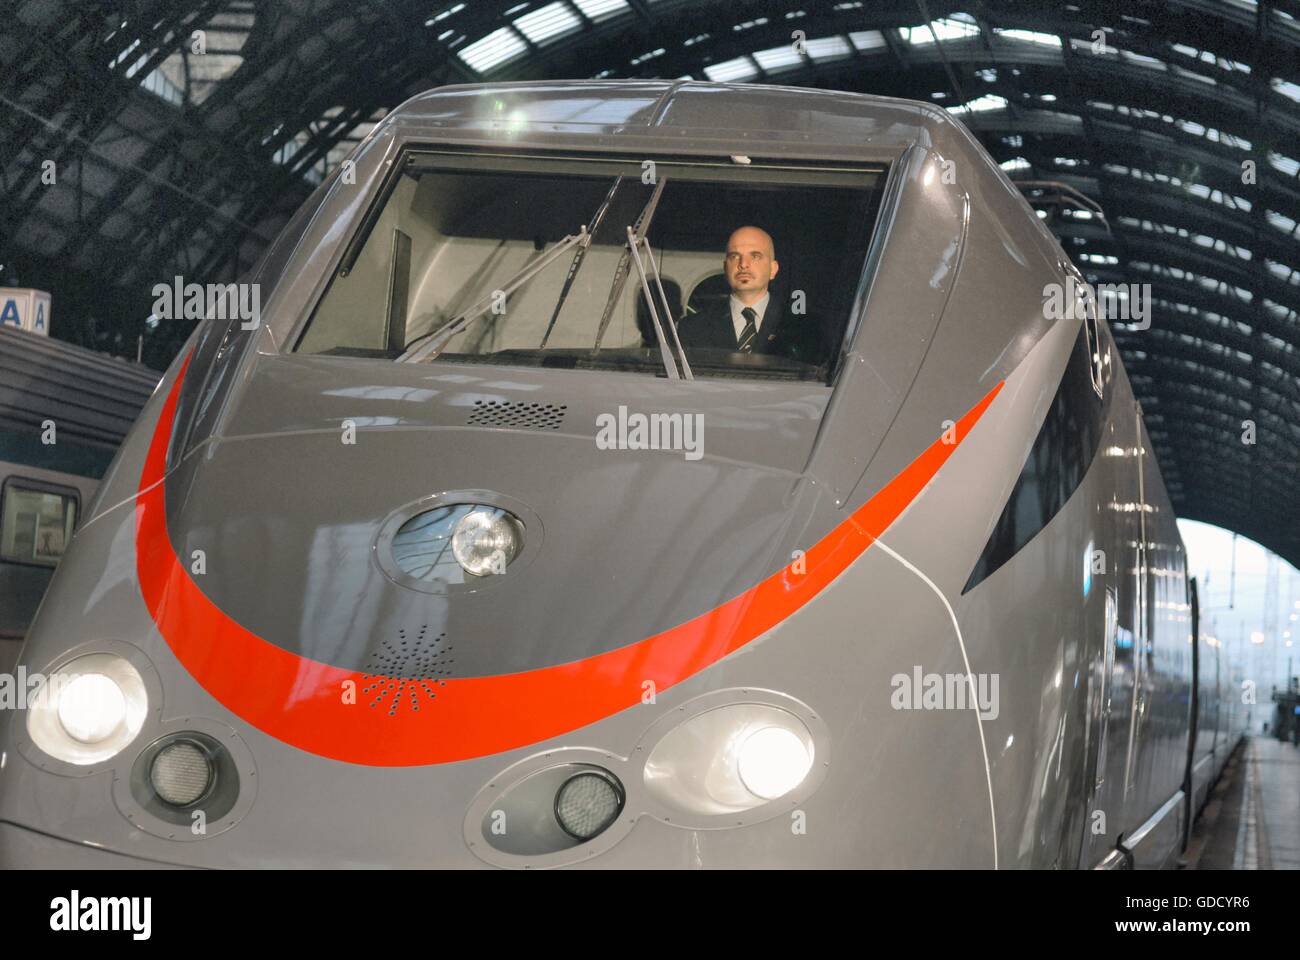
point(63, 412)
point(488, 545)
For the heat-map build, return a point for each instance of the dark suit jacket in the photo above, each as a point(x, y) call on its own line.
point(780, 334)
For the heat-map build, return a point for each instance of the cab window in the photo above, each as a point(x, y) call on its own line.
point(583, 262)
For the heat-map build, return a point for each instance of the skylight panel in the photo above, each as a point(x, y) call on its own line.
point(949, 28)
point(741, 68)
point(828, 48)
point(778, 58)
point(549, 22)
point(1192, 75)
point(1030, 36)
point(439, 17)
point(1284, 163)
point(1287, 89)
point(1280, 221)
point(990, 101)
point(867, 39)
point(601, 9)
point(498, 47)
point(121, 57)
point(1142, 60)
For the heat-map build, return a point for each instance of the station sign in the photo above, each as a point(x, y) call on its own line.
point(25, 309)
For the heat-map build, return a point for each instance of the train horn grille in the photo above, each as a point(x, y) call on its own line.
point(529, 416)
point(405, 671)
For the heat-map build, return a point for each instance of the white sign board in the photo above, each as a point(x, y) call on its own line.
point(25, 310)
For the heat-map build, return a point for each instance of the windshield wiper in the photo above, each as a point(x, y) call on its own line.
point(576, 265)
point(428, 346)
point(639, 228)
point(634, 244)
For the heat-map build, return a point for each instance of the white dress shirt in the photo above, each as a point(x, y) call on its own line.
point(738, 320)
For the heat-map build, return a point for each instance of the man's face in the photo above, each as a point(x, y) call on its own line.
point(750, 262)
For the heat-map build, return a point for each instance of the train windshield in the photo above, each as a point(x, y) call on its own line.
point(676, 268)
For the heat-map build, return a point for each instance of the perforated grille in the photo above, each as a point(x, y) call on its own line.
point(534, 416)
point(405, 671)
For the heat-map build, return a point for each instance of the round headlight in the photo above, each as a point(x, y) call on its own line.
point(587, 803)
point(91, 707)
point(734, 757)
point(180, 774)
point(485, 541)
point(772, 762)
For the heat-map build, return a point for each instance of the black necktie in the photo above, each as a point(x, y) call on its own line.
point(749, 331)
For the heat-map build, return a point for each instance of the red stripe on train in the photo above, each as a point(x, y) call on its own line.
point(301, 701)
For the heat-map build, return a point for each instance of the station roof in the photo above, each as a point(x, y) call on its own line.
point(182, 135)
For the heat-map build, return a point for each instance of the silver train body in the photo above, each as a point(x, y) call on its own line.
point(971, 496)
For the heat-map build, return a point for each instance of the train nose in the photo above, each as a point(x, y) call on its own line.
point(725, 760)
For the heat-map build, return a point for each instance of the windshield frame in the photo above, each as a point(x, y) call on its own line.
point(413, 157)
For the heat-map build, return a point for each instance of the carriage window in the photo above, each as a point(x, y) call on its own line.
point(35, 524)
point(605, 264)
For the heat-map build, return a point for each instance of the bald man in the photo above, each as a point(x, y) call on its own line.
point(754, 322)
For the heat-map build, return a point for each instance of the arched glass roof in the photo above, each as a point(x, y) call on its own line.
point(1180, 118)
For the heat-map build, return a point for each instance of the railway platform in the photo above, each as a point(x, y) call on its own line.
point(1252, 820)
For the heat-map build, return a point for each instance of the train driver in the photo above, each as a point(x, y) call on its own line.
point(754, 321)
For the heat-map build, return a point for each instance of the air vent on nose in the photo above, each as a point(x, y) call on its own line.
point(405, 671)
point(528, 416)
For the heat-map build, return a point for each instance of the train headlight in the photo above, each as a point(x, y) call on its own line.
point(730, 759)
point(772, 761)
point(587, 803)
point(485, 541)
point(181, 773)
point(89, 709)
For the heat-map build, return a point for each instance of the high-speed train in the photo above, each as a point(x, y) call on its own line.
point(469, 551)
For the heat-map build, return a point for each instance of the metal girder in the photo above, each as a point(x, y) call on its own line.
point(301, 61)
